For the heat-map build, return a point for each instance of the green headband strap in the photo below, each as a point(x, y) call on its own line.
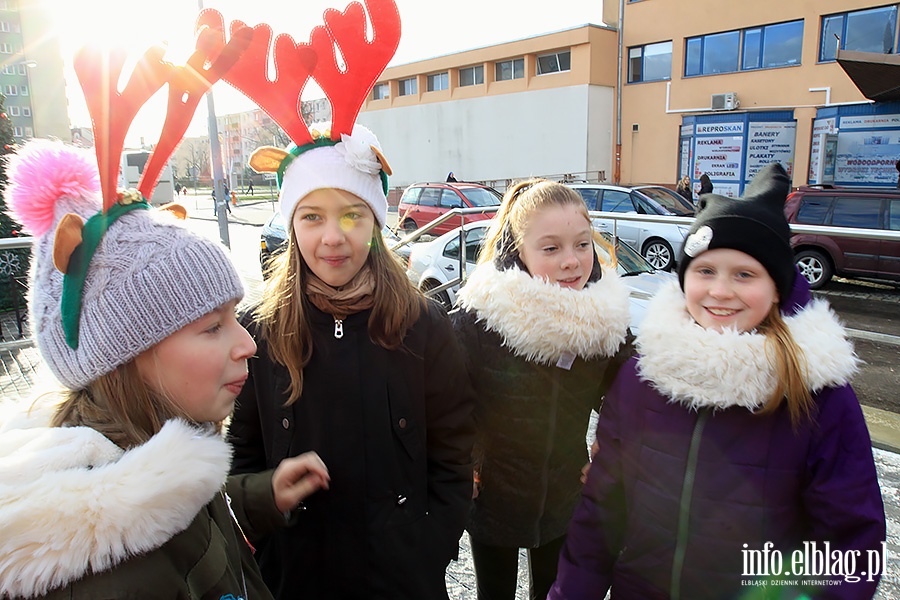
point(294, 151)
point(73, 280)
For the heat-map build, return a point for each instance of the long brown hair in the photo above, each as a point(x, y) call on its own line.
point(519, 204)
point(790, 369)
point(120, 405)
point(283, 314)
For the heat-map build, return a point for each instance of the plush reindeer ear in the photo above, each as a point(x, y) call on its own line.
point(384, 163)
point(267, 159)
point(67, 238)
point(176, 209)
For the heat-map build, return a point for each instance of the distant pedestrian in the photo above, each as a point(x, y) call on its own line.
point(684, 188)
point(250, 188)
point(706, 186)
point(451, 178)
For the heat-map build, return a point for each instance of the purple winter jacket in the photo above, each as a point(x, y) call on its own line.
point(680, 491)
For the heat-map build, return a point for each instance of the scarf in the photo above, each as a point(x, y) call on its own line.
point(353, 297)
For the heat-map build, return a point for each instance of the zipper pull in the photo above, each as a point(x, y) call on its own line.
point(338, 328)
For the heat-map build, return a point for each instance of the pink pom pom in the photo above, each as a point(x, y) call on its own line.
point(44, 172)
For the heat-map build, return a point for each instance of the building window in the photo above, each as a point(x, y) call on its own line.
point(6, 48)
point(652, 62)
point(10, 90)
point(23, 89)
point(14, 111)
point(777, 45)
point(554, 63)
point(4, 26)
point(438, 81)
point(23, 70)
point(871, 30)
point(17, 132)
point(9, 70)
point(471, 76)
point(509, 69)
point(26, 112)
point(380, 91)
point(29, 132)
point(407, 87)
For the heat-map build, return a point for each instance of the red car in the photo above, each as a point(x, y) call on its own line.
point(421, 203)
point(821, 256)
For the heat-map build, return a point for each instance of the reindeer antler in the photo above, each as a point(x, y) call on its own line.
point(279, 98)
point(187, 84)
point(365, 61)
point(112, 112)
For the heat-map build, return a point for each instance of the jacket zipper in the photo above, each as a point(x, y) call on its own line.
point(684, 507)
point(338, 328)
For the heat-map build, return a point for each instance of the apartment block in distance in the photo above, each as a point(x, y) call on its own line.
point(725, 87)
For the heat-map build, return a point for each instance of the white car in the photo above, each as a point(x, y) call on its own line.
point(435, 263)
point(659, 243)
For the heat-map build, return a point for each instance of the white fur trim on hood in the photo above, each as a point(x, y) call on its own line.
point(704, 368)
point(542, 321)
point(72, 502)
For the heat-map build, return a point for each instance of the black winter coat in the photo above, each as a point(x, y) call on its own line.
point(532, 417)
point(394, 429)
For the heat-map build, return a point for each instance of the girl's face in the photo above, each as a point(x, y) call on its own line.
point(201, 367)
point(334, 231)
point(557, 246)
point(728, 288)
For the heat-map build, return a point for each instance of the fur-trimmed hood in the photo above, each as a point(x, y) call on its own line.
point(701, 368)
point(542, 322)
point(72, 502)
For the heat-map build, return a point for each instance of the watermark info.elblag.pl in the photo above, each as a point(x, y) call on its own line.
point(816, 563)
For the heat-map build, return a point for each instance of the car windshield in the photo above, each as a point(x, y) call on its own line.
point(629, 262)
point(668, 201)
point(482, 197)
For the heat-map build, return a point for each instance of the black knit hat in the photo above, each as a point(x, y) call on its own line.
point(754, 224)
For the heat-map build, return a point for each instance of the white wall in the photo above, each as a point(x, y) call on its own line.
point(543, 132)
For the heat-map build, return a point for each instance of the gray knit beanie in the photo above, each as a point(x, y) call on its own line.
point(147, 278)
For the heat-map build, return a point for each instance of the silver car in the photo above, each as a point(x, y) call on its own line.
point(659, 243)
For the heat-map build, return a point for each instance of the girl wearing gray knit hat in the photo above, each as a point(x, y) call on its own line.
point(115, 486)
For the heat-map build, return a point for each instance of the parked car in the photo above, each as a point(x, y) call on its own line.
point(437, 262)
point(819, 257)
point(273, 238)
point(421, 203)
point(659, 243)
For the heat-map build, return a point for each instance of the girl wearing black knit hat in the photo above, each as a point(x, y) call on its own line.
point(733, 435)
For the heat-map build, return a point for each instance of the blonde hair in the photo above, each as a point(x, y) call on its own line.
point(283, 314)
point(790, 369)
point(520, 203)
point(120, 405)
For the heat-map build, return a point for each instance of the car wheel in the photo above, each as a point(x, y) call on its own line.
point(659, 254)
point(409, 225)
point(815, 266)
point(442, 297)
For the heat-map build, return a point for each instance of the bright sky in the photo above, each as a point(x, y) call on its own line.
point(429, 29)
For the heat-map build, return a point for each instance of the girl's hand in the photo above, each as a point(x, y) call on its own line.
point(297, 478)
point(587, 467)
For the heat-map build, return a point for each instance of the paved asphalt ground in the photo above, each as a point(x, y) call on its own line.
point(20, 375)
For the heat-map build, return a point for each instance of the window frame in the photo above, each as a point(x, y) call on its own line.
point(442, 78)
point(13, 111)
point(642, 57)
point(844, 17)
point(513, 63)
point(475, 70)
point(559, 64)
point(695, 66)
point(18, 131)
point(384, 87)
point(404, 84)
point(26, 111)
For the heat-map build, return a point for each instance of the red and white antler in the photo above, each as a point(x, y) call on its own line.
point(279, 98)
point(365, 61)
point(112, 112)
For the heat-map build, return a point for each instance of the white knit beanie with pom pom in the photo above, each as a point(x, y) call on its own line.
point(148, 277)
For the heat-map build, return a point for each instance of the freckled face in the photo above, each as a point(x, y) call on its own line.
point(728, 288)
point(334, 230)
point(201, 367)
point(557, 246)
